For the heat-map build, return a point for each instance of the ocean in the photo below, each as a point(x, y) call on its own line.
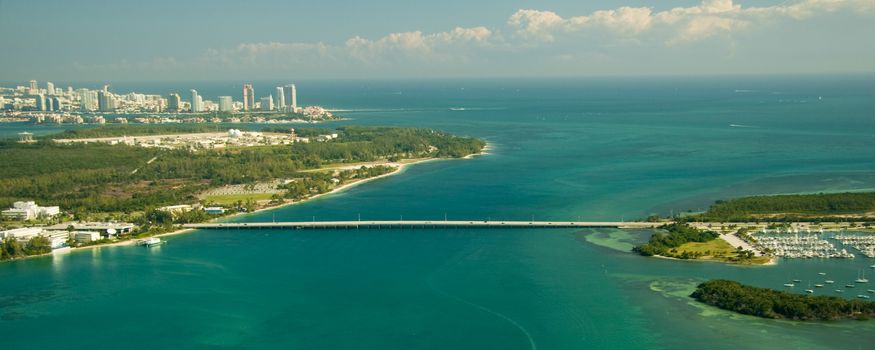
point(589, 149)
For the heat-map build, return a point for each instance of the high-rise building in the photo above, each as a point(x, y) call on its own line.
point(267, 103)
point(50, 88)
point(248, 97)
point(105, 101)
point(293, 95)
point(33, 86)
point(280, 98)
point(226, 104)
point(50, 106)
point(56, 103)
point(197, 103)
point(40, 102)
point(174, 102)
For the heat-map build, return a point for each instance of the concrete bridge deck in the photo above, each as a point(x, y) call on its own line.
point(423, 224)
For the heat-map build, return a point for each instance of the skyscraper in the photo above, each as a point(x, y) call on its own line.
point(40, 102)
point(280, 98)
point(196, 102)
point(226, 104)
point(105, 101)
point(294, 98)
point(173, 102)
point(50, 88)
point(33, 86)
point(248, 97)
point(56, 104)
point(267, 103)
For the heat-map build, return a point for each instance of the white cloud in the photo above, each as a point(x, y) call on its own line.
point(527, 29)
point(685, 24)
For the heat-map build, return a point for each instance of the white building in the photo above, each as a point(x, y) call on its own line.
point(280, 98)
point(226, 104)
point(214, 210)
point(85, 236)
point(267, 103)
point(21, 234)
point(29, 211)
point(293, 94)
point(197, 102)
point(182, 208)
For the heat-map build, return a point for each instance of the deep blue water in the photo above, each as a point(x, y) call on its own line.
point(601, 149)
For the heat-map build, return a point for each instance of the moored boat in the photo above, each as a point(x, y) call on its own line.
point(151, 242)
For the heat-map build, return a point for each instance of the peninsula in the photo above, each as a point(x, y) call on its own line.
point(168, 175)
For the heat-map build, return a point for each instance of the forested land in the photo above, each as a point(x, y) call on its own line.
point(768, 303)
point(796, 207)
point(676, 234)
point(118, 178)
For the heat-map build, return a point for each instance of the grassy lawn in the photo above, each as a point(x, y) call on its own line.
point(719, 250)
point(233, 198)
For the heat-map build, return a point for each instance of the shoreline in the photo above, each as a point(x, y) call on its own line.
point(772, 261)
point(400, 167)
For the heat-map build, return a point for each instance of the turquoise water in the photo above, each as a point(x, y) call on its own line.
point(568, 149)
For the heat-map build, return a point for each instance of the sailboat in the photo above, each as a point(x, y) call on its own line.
point(862, 278)
point(809, 290)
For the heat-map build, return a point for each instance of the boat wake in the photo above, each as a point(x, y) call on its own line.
point(740, 126)
point(485, 309)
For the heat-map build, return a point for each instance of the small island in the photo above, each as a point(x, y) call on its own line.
point(768, 303)
point(681, 241)
point(156, 177)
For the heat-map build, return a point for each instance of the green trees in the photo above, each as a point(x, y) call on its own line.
point(38, 245)
point(101, 178)
point(762, 302)
point(790, 207)
point(676, 235)
point(12, 248)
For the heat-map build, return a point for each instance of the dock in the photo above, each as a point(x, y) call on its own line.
point(390, 224)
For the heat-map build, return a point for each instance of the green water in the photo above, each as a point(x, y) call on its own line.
point(595, 150)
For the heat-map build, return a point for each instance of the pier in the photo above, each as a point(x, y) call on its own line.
point(389, 224)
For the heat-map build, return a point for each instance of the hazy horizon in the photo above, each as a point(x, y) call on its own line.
point(204, 41)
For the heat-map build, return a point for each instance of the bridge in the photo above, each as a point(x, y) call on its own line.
point(422, 224)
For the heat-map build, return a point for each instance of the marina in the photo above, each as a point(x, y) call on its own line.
point(795, 244)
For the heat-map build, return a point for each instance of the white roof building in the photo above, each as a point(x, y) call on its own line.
point(24, 233)
point(29, 210)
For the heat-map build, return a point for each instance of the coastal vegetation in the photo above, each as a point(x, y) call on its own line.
point(95, 179)
point(113, 130)
point(793, 208)
point(768, 303)
point(683, 241)
point(674, 235)
point(11, 248)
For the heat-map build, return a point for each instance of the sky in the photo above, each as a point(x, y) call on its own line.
point(93, 40)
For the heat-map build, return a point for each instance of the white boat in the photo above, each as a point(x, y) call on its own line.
point(861, 296)
point(822, 273)
point(818, 286)
point(789, 285)
point(809, 291)
point(862, 278)
point(839, 291)
point(870, 290)
point(150, 242)
point(829, 282)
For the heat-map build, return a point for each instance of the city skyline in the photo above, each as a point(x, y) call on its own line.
point(388, 39)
